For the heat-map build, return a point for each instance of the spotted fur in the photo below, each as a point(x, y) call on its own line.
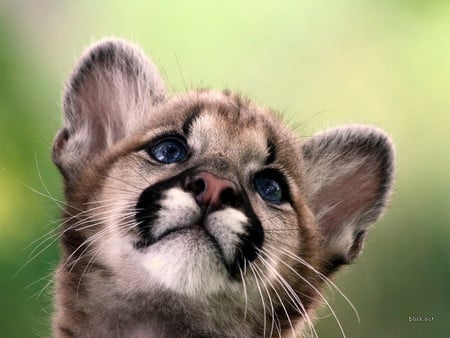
point(142, 258)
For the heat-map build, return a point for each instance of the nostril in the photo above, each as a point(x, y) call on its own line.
point(196, 185)
point(229, 197)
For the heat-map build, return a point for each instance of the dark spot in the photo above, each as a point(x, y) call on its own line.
point(272, 153)
point(146, 211)
point(74, 241)
point(195, 112)
point(357, 245)
point(66, 332)
point(333, 264)
point(250, 242)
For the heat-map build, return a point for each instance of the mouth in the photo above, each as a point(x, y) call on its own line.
point(197, 238)
point(145, 242)
point(195, 231)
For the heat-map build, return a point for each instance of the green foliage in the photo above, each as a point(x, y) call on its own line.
point(320, 63)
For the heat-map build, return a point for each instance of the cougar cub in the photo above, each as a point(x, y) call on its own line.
point(201, 214)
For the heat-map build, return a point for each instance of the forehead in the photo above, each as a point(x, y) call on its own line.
point(222, 124)
point(219, 134)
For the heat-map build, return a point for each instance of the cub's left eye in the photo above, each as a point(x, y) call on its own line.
point(270, 187)
point(169, 150)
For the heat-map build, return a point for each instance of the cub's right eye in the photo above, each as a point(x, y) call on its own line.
point(168, 150)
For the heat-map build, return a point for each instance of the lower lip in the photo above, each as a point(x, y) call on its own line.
point(197, 234)
point(193, 229)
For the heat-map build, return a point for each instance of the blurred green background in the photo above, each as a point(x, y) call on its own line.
point(321, 63)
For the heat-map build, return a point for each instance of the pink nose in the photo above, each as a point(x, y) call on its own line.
point(211, 191)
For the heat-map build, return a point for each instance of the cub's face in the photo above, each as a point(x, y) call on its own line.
point(192, 201)
point(203, 207)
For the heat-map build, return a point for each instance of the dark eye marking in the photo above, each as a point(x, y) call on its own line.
point(168, 150)
point(271, 185)
point(195, 112)
point(272, 153)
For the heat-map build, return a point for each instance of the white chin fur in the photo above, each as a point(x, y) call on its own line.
point(186, 262)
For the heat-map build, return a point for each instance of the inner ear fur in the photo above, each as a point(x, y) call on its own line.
point(108, 95)
point(349, 172)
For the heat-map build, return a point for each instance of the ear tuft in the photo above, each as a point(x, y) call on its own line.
point(111, 92)
point(349, 173)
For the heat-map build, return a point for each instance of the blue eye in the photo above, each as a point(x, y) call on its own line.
point(169, 150)
point(269, 189)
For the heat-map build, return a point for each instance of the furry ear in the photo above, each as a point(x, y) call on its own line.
point(349, 176)
point(111, 90)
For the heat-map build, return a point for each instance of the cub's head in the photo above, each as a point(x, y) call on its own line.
point(203, 206)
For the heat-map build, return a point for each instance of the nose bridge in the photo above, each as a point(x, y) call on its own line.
point(218, 164)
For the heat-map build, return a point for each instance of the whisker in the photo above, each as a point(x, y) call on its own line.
point(88, 243)
point(281, 301)
point(127, 182)
point(55, 234)
point(292, 294)
point(244, 286)
point(51, 280)
point(319, 294)
point(138, 173)
point(57, 202)
point(262, 298)
point(322, 276)
point(273, 322)
point(98, 251)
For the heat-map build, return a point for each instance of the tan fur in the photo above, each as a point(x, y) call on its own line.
point(115, 105)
